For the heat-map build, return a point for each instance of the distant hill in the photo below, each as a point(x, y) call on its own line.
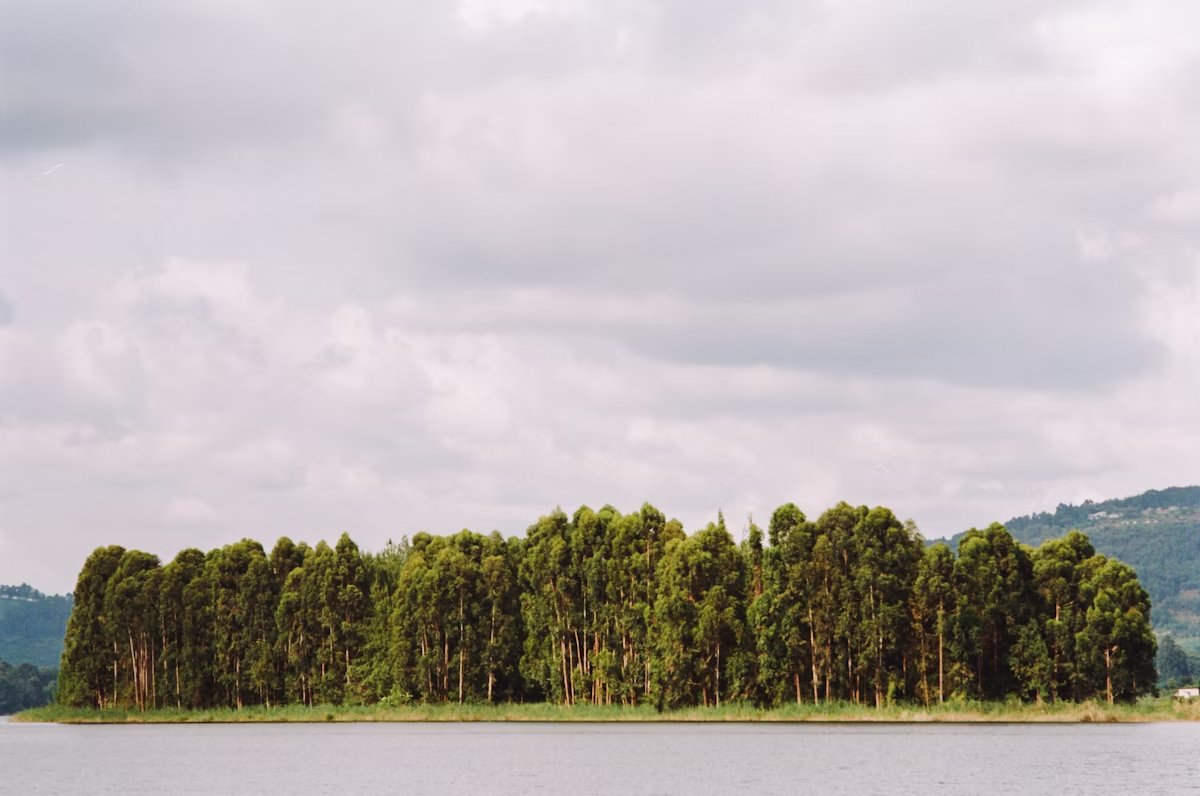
point(1157, 533)
point(32, 626)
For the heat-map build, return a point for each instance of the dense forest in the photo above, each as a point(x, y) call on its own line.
point(1157, 533)
point(32, 625)
point(611, 608)
point(25, 686)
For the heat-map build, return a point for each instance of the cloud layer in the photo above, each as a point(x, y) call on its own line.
point(296, 270)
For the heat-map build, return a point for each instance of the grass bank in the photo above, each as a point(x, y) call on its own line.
point(1145, 710)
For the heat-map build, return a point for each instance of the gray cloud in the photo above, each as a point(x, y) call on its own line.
point(290, 269)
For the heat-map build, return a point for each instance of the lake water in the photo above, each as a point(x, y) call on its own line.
point(600, 758)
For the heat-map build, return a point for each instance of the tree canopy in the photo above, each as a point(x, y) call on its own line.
point(602, 607)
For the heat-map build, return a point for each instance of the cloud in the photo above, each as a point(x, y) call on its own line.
point(191, 512)
point(449, 264)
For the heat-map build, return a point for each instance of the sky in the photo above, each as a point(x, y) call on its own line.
point(303, 268)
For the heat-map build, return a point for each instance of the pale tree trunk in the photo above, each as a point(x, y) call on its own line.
point(491, 646)
point(812, 656)
point(1108, 673)
point(462, 647)
point(941, 654)
point(562, 649)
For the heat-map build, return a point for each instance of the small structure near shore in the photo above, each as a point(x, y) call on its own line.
point(1187, 693)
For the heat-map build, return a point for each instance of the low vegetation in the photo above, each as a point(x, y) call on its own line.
point(1144, 710)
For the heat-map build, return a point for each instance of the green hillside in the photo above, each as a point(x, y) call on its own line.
point(1157, 533)
point(32, 626)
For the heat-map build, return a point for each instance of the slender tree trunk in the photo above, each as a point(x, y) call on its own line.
point(850, 684)
point(879, 668)
point(562, 649)
point(812, 657)
point(491, 647)
point(133, 667)
point(717, 683)
point(1108, 674)
point(462, 647)
point(153, 668)
point(445, 665)
point(941, 655)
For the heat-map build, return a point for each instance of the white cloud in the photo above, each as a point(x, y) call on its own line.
point(449, 265)
point(191, 512)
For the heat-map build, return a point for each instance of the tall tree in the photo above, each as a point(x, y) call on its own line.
point(993, 578)
point(933, 603)
point(1116, 646)
point(86, 674)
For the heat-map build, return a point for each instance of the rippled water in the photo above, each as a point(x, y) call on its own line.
point(600, 758)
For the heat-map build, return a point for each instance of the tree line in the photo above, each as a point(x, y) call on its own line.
point(607, 608)
point(25, 686)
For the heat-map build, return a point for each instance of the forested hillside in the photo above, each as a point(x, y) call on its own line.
point(1157, 533)
point(611, 608)
point(32, 626)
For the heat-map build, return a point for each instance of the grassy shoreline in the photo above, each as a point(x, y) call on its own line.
point(1146, 710)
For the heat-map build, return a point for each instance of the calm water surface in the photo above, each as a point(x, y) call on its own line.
point(600, 758)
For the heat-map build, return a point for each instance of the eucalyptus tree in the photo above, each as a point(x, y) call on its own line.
point(499, 629)
point(183, 657)
point(886, 557)
point(1057, 579)
point(699, 635)
point(346, 612)
point(372, 673)
point(239, 602)
point(549, 607)
point(1116, 647)
point(933, 602)
point(87, 674)
point(837, 614)
point(131, 612)
point(637, 542)
point(785, 611)
point(298, 638)
point(993, 579)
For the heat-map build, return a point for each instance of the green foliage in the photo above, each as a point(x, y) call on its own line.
point(25, 686)
point(602, 608)
point(1174, 666)
point(32, 625)
point(1157, 533)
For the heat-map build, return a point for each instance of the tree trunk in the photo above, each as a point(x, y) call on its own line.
point(812, 656)
point(562, 649)
point(1108, 673)
point(445, 664)
point(717, 683)
point(462, 647)
point(941, 655)
point(491, 647)
point(133, 667)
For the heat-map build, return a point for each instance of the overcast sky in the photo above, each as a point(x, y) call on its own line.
point(298, 268)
